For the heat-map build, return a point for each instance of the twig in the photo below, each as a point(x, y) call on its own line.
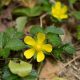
point(76, 76)
point(52, 1)
point(70, 62)
point(41, 19)
point(31, 60)
point(40, 67)
point(74, 67)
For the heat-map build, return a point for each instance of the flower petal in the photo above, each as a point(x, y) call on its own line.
point(58, 6)
point(47, 47)
point(64, 16)
point(40, 37)
point(29, 53)
point(64, 9)
point(29, 40)
point(40, 56)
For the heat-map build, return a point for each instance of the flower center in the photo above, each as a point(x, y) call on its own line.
point(38, 47)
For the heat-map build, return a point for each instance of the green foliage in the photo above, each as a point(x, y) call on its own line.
point(50, 29)
point(1, 40)
point(54, 39)
point(7, 75)
point(45, 4)
point(78, 32)
point(36, 29)
point(15, 44)
point(54, 30)
point(4, 52)
point(69, 48)
point(30, 12)
point(22, 68)
point(10, 40)
point(77, 15)
point(12, 33)
point(66, 48)
point(72, 1)
point(32, 76)
point(20, 23)
point(58, 53)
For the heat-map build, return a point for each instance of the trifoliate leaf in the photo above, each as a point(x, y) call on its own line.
point(77, 15)
point(20, 23)
point(31, 12)
point(4, 52)
point(54, 39)
point(22, 68)
point(54, 30)
point(11, 33)
point(36, 29)
point(69, 48)
point(15, 44)
point(58, 53)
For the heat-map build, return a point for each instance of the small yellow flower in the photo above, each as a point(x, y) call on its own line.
point(37, 47)
point(59, 11)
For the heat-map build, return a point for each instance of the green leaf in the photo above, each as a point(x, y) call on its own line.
point(77, 15)
point(7, 75)
point(19, 35)
point(54, 30)
point(20, 23)
point(54, 39)
point(15, 44)
point(32, 76)
point(69, 48)
point(22, 68)
point(1, 40)
point(78, 32)
point(35, 29)
point(58, 53)
point(72, 1)
point(31, 12)
point(11, 33)
point(46, 6)
point(4, 52)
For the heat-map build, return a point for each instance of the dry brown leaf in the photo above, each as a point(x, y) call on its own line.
point(27, 29)
point(6, 2)
point(49, 70)
point(66, 38)
point(28, 3)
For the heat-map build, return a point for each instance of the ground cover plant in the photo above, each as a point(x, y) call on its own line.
point(39, 39)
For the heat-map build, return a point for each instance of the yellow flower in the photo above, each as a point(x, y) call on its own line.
point(59, 11)
point(38, 47)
